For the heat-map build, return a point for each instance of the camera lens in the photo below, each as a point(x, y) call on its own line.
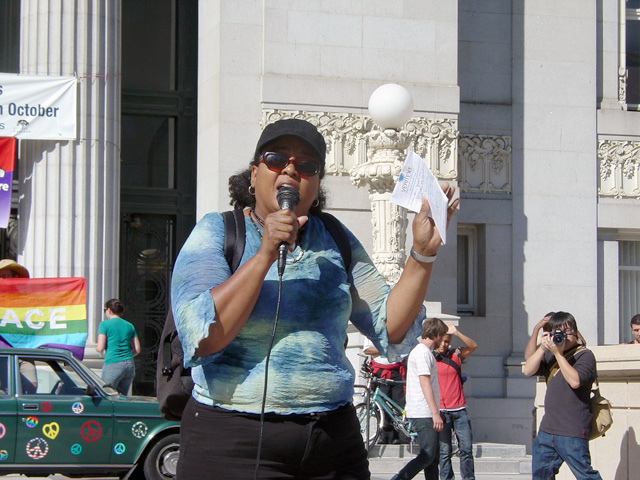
point(558, 337)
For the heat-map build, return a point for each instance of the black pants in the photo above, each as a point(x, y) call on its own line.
point(395, 392)
point(221, 444)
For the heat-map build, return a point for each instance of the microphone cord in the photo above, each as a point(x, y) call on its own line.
point(266, 377)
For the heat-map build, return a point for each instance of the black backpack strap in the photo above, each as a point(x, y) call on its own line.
point(335, 228)
point(234, 233)
point(168, 333)
point(448, 361)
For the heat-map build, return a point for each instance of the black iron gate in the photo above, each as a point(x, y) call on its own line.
point(146, 257)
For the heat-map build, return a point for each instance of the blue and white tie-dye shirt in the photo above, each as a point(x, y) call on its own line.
point(308, 370)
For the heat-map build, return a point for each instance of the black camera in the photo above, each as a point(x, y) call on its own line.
point(558, 337)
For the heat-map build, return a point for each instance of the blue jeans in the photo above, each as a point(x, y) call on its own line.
point(459, 422)
point(119, 375)
point(427, 458)
point(550, 451)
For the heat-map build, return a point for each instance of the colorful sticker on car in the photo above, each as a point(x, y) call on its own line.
point(139, 430)
point(46, 407)
point(37, 448)
point(90, 431)
point(76, 449)
point(3, 455)
point(119, 448)
point(31, 422)
point(3, 430)
point(77, 407)
point(51, 430)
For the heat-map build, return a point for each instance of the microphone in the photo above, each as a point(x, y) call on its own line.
point(288, 197)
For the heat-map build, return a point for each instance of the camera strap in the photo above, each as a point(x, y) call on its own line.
point(555, 368)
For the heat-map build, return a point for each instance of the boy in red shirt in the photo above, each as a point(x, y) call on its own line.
point(453, 405)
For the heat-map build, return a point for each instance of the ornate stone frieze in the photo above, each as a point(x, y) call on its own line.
point(344, 133)
point(386, 152)
point(434, 139)
point(485, 163)
point(618, 162)
point(622, 86)
point(351, 140)
point(374, 158)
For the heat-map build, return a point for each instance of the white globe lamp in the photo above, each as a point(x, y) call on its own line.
point(391, 106)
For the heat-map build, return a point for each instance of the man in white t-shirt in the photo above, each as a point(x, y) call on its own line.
point(422, 401)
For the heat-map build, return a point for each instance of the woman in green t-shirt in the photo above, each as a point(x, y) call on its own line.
point(118, 337)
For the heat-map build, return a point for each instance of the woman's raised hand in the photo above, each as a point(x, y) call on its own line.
point(426, 239)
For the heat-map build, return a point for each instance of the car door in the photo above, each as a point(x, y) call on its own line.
point(7, 413)
point(58, 422)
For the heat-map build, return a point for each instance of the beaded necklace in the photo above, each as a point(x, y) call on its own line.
point(259, 226)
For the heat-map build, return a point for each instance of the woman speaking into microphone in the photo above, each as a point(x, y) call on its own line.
point(302, 424)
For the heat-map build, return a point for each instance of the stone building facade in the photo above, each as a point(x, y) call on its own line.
point(529, 107)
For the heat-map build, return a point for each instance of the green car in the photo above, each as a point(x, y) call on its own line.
point(58, 416)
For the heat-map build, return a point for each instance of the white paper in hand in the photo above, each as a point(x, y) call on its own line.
point(417, 181)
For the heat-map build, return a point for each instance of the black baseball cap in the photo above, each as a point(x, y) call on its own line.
point(296, 128)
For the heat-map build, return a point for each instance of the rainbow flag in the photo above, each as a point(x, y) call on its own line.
point(37, 312)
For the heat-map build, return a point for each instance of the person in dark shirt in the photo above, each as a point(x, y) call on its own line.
point(570, 370)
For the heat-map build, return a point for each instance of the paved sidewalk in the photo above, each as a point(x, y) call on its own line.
point(488, 476)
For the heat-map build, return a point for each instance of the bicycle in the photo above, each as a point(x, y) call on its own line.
point(373, 412)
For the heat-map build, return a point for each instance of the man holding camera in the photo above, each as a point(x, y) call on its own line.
point(570, 370)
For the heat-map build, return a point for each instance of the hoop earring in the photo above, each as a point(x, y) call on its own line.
point(316, 202)
point(254, 190)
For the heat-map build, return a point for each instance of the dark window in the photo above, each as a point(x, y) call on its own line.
point(158, 169)
point(4, 376)
point(633, 61)
point(147, 151)
point(148, 39)
point(10, 36)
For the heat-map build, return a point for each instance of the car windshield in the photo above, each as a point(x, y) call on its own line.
point(57, 376)
point(108, 389)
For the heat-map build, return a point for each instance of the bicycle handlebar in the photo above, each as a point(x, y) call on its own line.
point(367, 373)
point(387, 381)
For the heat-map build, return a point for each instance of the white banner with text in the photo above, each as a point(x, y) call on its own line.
point(38, 107)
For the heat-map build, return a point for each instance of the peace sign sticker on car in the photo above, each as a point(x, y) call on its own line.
point(90, 431)
point(31, 422)
point(51, 430)
point(37, 448)
point(139, 429)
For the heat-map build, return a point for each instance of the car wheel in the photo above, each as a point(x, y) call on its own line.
point(162, 460)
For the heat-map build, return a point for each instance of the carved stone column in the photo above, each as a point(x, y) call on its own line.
point(387, 151)
point(70, 190)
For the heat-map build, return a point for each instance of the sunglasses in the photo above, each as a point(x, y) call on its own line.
point(276, 162)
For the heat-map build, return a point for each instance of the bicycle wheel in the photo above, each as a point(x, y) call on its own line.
point(374, 421)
